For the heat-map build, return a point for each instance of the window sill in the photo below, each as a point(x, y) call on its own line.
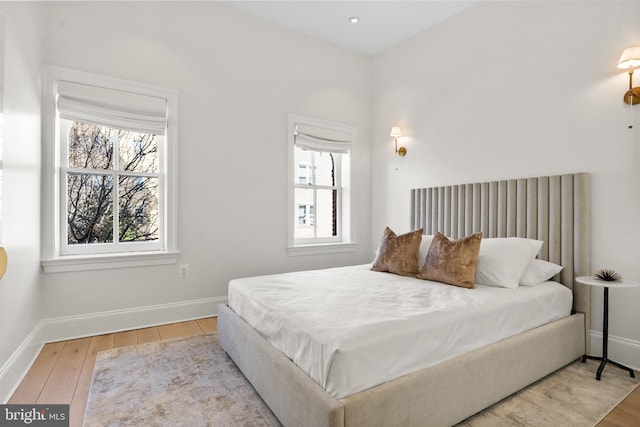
point(106, 261)
point(319, 249)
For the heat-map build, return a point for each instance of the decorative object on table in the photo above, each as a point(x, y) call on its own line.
point(608, 275)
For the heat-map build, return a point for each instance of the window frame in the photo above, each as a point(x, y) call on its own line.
point(343, 242)
point(54, 257)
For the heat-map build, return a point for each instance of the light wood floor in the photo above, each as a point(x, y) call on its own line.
point(62, 372)
point(627, 413)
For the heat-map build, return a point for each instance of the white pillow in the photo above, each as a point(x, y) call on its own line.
point(539, 271)
point(424, 249)
point(502, 260)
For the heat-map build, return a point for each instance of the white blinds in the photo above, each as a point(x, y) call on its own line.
point(110, 107)
point(317, 138)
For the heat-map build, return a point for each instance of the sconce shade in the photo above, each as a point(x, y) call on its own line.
point(630, 58)
point(395, 133)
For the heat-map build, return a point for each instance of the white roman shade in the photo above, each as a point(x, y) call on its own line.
point(112, 108)
point(317, 138)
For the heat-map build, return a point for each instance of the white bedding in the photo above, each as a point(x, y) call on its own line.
point(350, 328)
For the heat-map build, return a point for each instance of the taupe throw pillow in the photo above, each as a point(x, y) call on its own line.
point(452, 261)
point(398, 254)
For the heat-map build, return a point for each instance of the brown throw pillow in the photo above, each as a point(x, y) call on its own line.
point(398, 254)
point(452, 261)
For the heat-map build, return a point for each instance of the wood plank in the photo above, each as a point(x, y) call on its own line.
point(79, 401)
point(190, 328)
point(626, 414)
point(123, 339)
point(148, 335)
point(634, 397)
point(621, 417)
point(61, 384)
point(169, 331)
point(35, 379)
point(209, 325)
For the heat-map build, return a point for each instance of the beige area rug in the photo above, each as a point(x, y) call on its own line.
point(570, 397)
point(180, 382)
point(192, 382)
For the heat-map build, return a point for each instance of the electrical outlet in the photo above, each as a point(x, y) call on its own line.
point(183, 271)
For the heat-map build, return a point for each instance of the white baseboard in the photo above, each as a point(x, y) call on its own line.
point(71, 327)
point(622, 350)
point(16, 367)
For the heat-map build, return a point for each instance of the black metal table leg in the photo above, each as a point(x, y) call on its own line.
point(605, 343)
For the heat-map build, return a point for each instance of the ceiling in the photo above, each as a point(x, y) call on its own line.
point(382, 23)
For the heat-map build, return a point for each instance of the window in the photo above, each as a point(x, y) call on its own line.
point(112, 182)
point(110, 147)
point(320, 161)
point(321, 189)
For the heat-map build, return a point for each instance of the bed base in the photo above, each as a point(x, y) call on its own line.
point(441, 395)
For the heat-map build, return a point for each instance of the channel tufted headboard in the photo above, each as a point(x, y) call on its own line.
point(555, 209)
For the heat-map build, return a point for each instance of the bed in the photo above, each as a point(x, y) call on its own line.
point(553, 209)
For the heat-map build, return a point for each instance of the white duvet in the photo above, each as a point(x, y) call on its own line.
point(350, 328)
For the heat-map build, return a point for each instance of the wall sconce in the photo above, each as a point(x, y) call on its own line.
point(629, 60)
point(395, 133)
point(3, 261)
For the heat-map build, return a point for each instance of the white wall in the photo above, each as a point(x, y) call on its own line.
point(517, 89)
point(20, 287)
point(238, 77)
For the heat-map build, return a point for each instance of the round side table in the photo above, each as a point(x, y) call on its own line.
point(592, 281)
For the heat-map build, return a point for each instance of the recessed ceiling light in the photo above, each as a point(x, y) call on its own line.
point(354, 19)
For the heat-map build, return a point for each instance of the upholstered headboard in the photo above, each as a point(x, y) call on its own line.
point(555, 209)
